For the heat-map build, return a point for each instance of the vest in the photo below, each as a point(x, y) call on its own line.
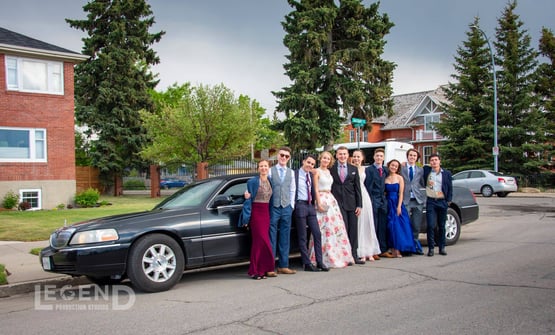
point(281, 190)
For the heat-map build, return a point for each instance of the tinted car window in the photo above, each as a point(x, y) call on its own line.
point(236, 192)
point(476, 174)
point(192, 195)
point(461, 175)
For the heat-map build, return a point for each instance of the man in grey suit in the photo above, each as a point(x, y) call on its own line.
point(414, 196)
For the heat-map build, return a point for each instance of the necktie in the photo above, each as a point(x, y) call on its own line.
point(380, 170)
point(281, 173)
point(342, 173)
point(411, 173)
point(309, 194)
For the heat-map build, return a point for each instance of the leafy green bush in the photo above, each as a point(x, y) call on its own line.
point(134, 184)
point(25, 205)
point(11, 199)
point(87, 198)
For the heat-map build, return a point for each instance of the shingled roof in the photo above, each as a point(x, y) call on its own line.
point(12, 41)
point(405, 106)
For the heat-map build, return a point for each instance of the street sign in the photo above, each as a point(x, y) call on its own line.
point(357, 122)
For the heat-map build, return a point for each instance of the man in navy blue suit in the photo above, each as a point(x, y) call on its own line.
point(375, 185)
point(305, 215)
point(439, 192)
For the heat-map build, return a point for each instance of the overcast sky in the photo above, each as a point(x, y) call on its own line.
point(240, 42)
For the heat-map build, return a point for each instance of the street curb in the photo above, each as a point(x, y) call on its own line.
point(27, 287)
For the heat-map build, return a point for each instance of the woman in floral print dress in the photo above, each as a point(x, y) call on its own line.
point(336, 249)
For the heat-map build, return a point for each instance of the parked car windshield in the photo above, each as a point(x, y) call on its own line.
point(192, 195)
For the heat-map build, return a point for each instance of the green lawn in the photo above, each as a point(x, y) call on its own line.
point(38, 225)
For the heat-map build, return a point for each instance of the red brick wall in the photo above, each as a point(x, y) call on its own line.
point(54, 113)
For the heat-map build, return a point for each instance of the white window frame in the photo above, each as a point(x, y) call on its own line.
point(48, 75)
point(37, 147)
point(427, 152)
point(39, 197)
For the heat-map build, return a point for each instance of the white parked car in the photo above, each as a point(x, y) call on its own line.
point(486, 182)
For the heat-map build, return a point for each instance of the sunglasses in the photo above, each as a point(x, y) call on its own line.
point(284, 156)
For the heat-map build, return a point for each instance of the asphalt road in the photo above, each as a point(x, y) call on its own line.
point(498, 279)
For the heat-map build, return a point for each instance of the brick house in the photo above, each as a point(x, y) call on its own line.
point(37, 146)
point(412, 122)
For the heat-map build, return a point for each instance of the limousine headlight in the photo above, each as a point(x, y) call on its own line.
point(94, 236)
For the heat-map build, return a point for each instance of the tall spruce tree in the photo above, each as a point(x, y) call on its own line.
point(545, 89)
point(335, 69)
point(113, 85)
point(520, 122)
point(468, 118)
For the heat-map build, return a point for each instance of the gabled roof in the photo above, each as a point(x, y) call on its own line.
point(20, 44)
point(405, 107)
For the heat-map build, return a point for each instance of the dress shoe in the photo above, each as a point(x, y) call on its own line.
point(323, 267)
point(386, 254)
point(419, 252)
point(376, 257)
point(350, 264)
point(359, 261)
point(271, 274)
point(286, 271)
point(442, 252)
point(430, 252)
point(311, 268)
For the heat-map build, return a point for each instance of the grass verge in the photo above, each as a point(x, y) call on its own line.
point(38, 225)
point(3, 275)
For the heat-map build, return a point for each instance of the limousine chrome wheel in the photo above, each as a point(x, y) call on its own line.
point(452, 227)
point(155, 263)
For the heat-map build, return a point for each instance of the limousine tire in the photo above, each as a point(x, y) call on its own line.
point(155, 263)
point(452, 227)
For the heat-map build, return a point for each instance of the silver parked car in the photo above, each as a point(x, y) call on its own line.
point(486, 182)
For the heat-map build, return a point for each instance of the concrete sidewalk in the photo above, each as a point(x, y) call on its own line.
point(26, 270)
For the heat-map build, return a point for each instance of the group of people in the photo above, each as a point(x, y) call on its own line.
point(353, 213)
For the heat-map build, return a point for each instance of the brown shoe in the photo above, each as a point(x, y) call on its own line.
point(271, 274)
point(286, 271)
point(376, 257)
point(386, 254)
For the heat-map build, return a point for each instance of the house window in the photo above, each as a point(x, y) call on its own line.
point(22, 145)
point(352, 135)
point(32, 197)
point(365, 136)
point(429, 121)
point(431, 113)
point(34, 75)
point(428, 151)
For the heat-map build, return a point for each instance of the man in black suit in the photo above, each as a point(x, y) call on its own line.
point(305, 215)
point(346, 190)
point(375, 185)
point(439, 192)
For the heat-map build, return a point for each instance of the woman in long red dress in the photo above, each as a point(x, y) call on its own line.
point(260, 190)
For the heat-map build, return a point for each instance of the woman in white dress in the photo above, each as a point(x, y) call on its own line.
point(368, 245)
point(336, 249)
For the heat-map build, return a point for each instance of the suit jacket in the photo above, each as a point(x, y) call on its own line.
point(417, 185)
point(375, 185)
point(347, 193)
point(446, 182)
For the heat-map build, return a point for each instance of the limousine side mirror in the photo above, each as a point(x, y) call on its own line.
point(222, 200)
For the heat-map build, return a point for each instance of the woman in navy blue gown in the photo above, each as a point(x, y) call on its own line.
point(398, 221)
